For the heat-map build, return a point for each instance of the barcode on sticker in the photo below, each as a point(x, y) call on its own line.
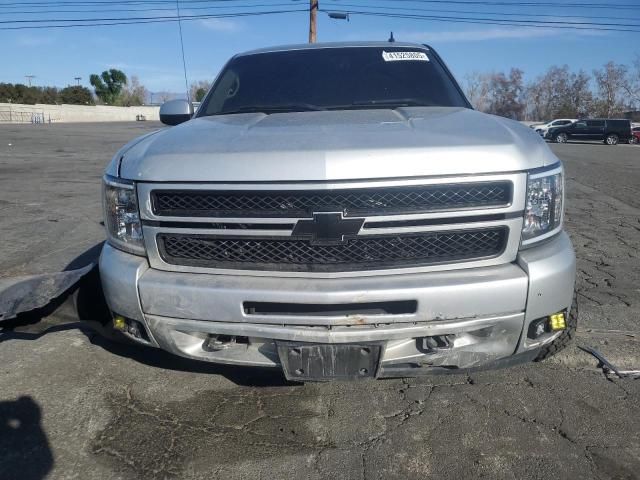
point(404, 56)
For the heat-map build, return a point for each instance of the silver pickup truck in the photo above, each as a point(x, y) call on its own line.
point(339, 211)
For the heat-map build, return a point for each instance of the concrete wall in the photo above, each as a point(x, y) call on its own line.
point(16, 113)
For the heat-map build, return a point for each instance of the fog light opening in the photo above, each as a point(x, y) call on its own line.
point(557, 321)
point(130, 327)
point(551, 324)
point(119, 323)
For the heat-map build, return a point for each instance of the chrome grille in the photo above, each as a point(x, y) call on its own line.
point(353, 202)
point(360, 253)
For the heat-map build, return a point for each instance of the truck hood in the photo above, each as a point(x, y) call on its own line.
point(334, 145)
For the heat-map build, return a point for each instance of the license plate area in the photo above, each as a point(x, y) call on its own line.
point(323, 362)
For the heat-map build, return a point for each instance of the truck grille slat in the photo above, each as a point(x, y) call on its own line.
point(360, 253)
point(354, 201)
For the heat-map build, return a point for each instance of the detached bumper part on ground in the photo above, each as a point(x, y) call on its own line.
point(475, 317)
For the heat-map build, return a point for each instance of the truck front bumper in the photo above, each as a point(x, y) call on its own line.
point(482, 315)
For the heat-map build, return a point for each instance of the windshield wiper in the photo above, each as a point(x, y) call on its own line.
point(267, 109)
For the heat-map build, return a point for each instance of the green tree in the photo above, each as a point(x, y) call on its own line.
point(25, 94)
point(198, 90)
point(76, 95)
point(49, 95)
point(200, 93)
point(7, 93)
point(108, 85)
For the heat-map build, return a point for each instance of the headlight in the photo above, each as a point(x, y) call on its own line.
point(543, 208)
point(121, 217)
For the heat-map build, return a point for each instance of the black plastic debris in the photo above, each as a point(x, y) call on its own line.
point(24, 294)
point(608, 367)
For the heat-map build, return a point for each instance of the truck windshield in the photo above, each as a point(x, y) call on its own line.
point(332, 79)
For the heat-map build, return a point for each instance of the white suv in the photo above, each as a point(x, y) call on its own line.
point(560, 122)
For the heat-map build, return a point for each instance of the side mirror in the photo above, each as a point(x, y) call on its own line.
point(175, 112)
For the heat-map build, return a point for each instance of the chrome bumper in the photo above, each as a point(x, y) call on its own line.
point(484, 310)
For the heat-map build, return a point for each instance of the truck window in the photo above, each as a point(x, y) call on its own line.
point(332, 78)
point(622, 124)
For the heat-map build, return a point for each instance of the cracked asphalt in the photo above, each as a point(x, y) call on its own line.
point(74, 405)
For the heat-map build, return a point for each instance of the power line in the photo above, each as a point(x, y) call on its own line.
point(154, 20)
point(518, 4)
point(491, 19)
point(87, 3)
point(338, 2)
point(103, 19)
point(498, 21)
point(470, 12)
point(449, 2)
point(153, 9)
point(178, 17)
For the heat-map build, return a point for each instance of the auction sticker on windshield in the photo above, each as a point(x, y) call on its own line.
point(404, 56)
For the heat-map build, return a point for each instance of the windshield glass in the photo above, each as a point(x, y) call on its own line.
point(332, 78)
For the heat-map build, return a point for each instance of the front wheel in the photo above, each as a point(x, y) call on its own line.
point(633, 141)
point(611, 139)
point(561, 138)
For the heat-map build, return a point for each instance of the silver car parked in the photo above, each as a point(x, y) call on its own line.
point(321, 213)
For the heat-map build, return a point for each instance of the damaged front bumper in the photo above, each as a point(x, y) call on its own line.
point(451, 320)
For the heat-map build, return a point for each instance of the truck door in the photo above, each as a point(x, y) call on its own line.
point(595, 130)
point(578, 131)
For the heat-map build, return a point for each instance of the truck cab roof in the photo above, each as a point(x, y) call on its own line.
point(321, 45)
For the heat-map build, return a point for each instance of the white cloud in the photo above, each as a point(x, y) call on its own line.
point(476, 35)
point(132, 66)
point(481, 34)
point(220, 25)
point(35, 40)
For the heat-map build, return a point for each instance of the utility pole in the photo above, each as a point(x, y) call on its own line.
point(313, 21)
point(29, 77)
point(77, 79)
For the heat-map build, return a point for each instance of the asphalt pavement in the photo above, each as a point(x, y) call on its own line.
point(74, 405)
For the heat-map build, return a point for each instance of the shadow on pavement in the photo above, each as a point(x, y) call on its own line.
point(154, 357)
point(24, 449)
point(84, 308)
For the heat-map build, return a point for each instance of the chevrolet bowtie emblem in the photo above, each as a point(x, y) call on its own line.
point(328, 228)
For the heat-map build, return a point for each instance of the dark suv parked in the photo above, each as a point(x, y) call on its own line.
point(609, 131)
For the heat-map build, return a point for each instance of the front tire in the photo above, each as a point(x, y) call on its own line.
point(561, 138)
point(565, 337)
point(612, 139)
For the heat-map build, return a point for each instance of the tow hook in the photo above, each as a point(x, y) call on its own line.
point(216, 343)
point(437, 343)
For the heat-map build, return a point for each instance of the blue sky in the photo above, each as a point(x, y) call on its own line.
point(152, 51)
